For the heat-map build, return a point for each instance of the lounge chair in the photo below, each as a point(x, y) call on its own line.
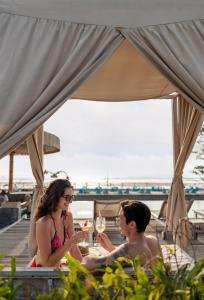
point(163, 210)
point(197, 224)
point(108, 209)
point(160, 218)
point(198, 213)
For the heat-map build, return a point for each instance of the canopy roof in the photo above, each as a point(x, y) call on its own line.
point(104, 50)
point(52, 50)
point(51, 145)
point(126, 76)
point(122, 13)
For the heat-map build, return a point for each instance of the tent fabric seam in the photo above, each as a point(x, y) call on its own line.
point(119, 28)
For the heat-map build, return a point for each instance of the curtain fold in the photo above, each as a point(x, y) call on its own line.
point(52, 59)
point(35, 149)
point(176, 50)
point(187, 122)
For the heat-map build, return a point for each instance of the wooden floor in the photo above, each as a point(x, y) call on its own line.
point(14, 241)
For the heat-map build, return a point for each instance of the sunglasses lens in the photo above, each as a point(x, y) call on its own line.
point(68, 197)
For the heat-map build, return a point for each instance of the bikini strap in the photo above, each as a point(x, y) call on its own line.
point(65, 230)
point(53, 223)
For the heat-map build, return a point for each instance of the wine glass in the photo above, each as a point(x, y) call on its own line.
point(100, 225)
point(85, 226)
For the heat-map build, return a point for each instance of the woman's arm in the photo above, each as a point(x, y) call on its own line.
point(74, 250)
point(43, 236)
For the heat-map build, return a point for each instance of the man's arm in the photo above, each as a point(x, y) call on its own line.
point(94, 262)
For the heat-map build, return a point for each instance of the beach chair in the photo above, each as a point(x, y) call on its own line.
point(196, 227)
point(108, 209)
point(197, 224)
point(163, 210)
point(160, 218)
point(198, 213)
point(22, 206)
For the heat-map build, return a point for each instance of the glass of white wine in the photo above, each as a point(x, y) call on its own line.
point(100, 226)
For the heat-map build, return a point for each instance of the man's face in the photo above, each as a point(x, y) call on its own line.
point(124, 229)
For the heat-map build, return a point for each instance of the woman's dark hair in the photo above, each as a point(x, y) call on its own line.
point(50, 199)
point(138, 212)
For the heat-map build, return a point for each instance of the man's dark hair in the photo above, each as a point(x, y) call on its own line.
point(138, 212)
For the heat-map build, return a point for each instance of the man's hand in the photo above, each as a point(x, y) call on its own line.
point(105, 242)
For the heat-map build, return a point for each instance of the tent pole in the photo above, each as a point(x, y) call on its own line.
point(11, 158)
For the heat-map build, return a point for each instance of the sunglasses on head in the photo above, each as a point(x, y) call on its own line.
point(68, 197)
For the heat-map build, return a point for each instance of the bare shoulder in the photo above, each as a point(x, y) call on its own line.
point(153, 244)
point(151, 239)
point(44, 221)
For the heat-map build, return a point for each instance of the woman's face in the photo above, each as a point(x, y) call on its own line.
point(66, 199)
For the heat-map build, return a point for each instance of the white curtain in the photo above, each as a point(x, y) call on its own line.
point(35, 149)
point(42, 63)
point(177, 52)
point(187, 122)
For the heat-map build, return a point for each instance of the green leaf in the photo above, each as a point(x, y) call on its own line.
point(13, 265)
point(195, 271)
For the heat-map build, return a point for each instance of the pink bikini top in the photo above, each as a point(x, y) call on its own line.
point(56, 242)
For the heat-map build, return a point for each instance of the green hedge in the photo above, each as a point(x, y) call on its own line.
point(114, 283)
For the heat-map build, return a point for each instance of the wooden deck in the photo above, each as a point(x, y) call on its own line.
point(14, 241)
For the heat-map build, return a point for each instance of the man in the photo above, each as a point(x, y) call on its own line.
point(3, 196)
point(134, 216)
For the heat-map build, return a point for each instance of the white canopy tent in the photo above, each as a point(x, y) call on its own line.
point(104, 50)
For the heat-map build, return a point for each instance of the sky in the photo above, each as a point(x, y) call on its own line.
point(121, 141)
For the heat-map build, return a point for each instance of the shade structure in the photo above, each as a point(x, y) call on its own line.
point(117, 50)
point(126, 76)
point(51, 145)
point(102, 50)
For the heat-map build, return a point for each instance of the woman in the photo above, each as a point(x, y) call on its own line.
point(54, 226)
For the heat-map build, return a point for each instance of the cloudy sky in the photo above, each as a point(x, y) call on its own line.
point(116, 140)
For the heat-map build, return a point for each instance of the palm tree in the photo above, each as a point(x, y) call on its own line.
point(55, 174)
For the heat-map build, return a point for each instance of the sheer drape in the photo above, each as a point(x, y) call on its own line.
point(35, 149)
point(177, 52)
point(50, 60)
point(187, 122)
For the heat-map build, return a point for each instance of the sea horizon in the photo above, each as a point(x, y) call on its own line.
point(107, 182)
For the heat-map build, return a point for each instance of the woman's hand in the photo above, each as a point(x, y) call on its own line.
point(78, 237)
point(104, 241)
